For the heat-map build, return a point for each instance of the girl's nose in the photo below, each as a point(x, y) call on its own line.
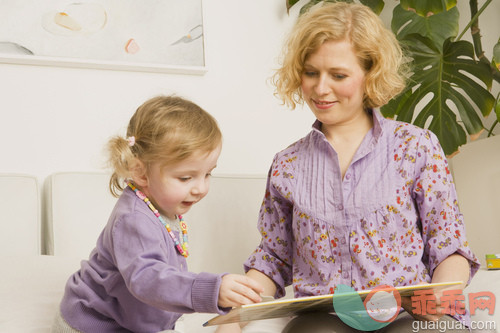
point(201, 187)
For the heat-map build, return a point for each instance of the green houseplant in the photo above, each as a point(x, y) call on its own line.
point(449, 91)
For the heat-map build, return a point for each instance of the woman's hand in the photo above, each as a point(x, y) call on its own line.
point(228, 328)
point(236, 290)
point(406, 303)
point(453, 268)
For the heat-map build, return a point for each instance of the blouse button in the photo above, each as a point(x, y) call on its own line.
point(348, 176)
point(340, 207)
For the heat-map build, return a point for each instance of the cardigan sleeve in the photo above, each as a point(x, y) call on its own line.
point(151, 268)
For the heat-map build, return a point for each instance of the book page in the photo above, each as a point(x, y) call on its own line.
point(291, 307)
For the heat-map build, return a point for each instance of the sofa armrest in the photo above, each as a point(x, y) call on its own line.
point(485, 281)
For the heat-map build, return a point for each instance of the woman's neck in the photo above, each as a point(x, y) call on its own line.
point(348, 133)
point(346, 138)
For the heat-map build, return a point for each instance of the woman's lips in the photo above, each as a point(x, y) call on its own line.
point(323, 104)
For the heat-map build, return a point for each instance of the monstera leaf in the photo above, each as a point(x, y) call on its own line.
point(289, 4)
point(428, 7)
point(496, 55)
point(444, 77)
point(375, 5)
point(497, 113)
point(312, 3)
point(437, 27)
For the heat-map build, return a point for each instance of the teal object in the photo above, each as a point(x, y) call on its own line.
point(351, 309)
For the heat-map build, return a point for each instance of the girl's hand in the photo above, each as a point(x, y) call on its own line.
point(236, 290)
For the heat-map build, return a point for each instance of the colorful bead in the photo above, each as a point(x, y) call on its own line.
point(182, 249)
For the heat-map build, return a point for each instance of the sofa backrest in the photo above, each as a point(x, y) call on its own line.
point(20, 214)
point(223, 226)
point(77, 206)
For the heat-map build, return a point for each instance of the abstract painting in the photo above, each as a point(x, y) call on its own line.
point(147, 35)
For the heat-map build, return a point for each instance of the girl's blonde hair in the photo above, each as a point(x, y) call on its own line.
point(165, 129)
point(376, 47)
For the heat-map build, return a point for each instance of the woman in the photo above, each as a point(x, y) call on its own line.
point(360, 201)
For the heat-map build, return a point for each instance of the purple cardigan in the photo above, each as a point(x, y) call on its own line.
point(135, 280)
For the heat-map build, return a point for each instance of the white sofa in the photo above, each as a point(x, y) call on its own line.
point(20, 215)
point(222, 234)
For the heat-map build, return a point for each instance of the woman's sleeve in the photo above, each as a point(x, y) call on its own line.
point(142, 257)
point(443, 228)
point(273, 256)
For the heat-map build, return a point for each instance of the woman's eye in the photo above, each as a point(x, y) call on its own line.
point(184, 179)
point(339, 76)
point(208, 175)
point(310, 73)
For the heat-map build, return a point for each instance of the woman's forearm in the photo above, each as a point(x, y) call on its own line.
point(453, 268)
point(264, 281)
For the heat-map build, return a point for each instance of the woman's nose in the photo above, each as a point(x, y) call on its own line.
point(322, 87)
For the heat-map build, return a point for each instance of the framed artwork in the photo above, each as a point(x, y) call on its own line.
point(146, 35)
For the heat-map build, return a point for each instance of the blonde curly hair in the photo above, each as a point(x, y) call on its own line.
point(378, 51)
point(164, 129)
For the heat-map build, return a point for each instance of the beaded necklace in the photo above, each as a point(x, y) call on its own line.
point(183, 250)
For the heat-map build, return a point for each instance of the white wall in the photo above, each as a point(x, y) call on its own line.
point(58, 119)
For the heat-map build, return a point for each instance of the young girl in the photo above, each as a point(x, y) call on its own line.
point(136, 279)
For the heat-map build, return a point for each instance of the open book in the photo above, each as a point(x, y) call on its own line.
point(293, 306)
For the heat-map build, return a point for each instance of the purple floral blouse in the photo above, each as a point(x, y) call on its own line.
point(391, 220)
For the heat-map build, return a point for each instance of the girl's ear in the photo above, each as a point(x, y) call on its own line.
point(139, 174)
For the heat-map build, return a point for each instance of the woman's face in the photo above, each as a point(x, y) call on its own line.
point(333, 83)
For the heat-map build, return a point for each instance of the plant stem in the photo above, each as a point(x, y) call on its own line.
point(475, 14)
point(497, 100)
point(490, 132)
point(473, 25)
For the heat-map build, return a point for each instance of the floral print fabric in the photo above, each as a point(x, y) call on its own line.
point(391, 220)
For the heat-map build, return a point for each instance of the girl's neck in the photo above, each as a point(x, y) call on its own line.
point(171, 217)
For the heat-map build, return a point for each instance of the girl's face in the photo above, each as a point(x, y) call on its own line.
point(333, 83)
point(176, 188)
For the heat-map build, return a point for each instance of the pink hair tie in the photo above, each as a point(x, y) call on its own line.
point(131, 141)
